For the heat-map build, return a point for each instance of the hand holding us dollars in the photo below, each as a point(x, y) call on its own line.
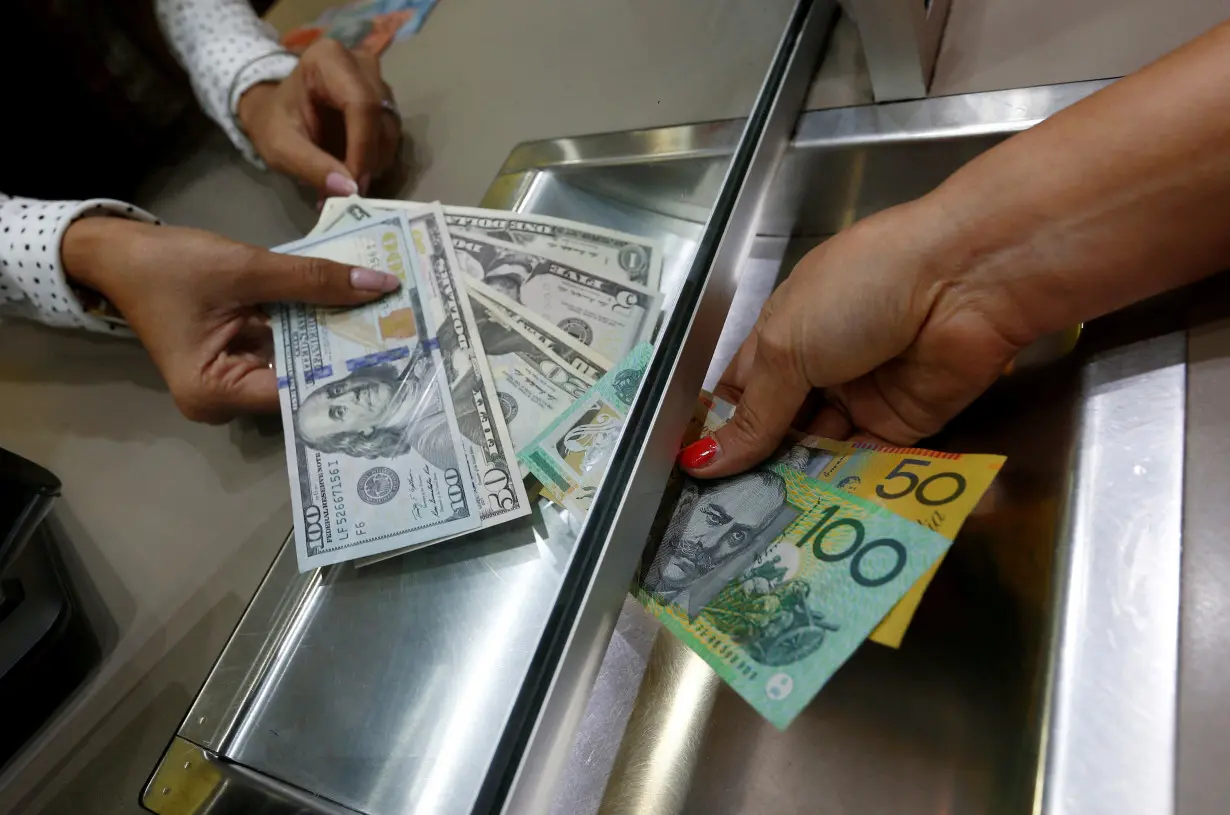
point(404, 418)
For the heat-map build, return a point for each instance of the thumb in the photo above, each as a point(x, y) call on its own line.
point(297, 155)
point(270, 277)
point(772, 396)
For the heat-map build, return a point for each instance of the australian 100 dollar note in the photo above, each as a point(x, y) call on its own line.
point(936, 489)
point(489, 451)
point(621, 255)
point(569, 458)
point(373, 444)
point(775, 578)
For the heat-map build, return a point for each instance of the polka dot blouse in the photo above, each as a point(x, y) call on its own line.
point(226, 49)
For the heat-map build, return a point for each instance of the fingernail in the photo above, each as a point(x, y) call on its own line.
point(364, 183)
point(699, 454)
point(372, 280)
point(338, 184)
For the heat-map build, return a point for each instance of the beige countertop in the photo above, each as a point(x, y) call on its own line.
point(168, 526)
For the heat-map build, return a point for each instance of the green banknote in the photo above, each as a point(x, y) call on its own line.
point(775, 578)
point(569, 458)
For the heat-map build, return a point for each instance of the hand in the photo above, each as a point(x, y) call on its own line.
point(882, 323)
point(330, 105)
point(193, 299)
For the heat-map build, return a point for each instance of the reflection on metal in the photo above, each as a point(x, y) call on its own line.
point(1111, 729)
point(618, 521)
point(901, 41)
point(662, 742)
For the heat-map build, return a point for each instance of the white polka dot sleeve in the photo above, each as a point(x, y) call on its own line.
point(226, 49)
point(32, 279)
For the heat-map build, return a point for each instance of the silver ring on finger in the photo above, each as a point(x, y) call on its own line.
point(389, 106)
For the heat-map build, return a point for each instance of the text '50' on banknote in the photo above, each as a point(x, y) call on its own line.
point(374, 448)
point(490, 456)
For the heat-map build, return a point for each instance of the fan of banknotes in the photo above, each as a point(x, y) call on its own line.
point(405, 418)
point(511, 355)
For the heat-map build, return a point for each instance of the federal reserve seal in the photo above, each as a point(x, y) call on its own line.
point(378, 485)
point(625, 384)
point(578, 328)
point(508, 405)
point(635, 261)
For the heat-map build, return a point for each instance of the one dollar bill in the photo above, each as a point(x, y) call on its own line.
point(620, 255)
point(582, 359)
point(534, 385)
point(607, 315)
point(374, 447)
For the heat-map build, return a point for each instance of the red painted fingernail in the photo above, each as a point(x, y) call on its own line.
point(699, 454)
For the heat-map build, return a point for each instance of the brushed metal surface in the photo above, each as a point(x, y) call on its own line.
point(1114, 676)
point(901, 42)
point(387, 689)
point(622, 510)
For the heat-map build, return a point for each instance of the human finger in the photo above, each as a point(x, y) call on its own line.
point(772, 395)
point(293, 152)
point(269, 277)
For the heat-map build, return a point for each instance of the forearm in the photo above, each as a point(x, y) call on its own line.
point(1120, 197)
point(36, 275)
point(225, 49)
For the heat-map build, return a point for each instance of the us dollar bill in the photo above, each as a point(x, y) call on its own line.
point(489, 451)
point(534, 386)
point(569, 458)
point(582, 359)
point(374, 447)
point(609, 316)
point(577, 295)
point(619, 255)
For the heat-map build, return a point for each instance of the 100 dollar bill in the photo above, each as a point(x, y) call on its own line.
point(618, 254)
point(775, 578)
point(936, 489)
point(373, 445)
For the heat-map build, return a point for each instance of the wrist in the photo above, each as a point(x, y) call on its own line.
point(254, 100)
point(982, 261)
point(86, 246)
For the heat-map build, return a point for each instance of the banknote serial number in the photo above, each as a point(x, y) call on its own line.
point(337, 500)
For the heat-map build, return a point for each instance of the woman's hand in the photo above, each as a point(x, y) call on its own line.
point(331, 106)
point(878, 320)
point(193, 299)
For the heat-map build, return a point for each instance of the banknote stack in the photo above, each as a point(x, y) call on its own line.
point(776, 576)
point(405, 418)
point(505, 365)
